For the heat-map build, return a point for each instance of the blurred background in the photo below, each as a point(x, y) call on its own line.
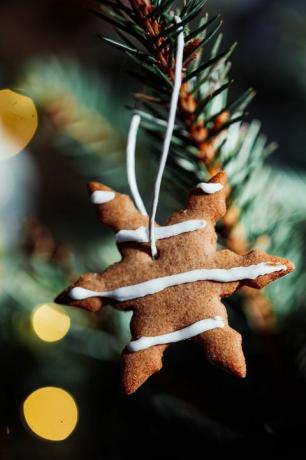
point(49, 234)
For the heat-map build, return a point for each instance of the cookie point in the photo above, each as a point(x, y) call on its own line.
point(220, 177)
point(286, 267)
point(242, 373)
point(61, 298)
point(239, 370)
point(290, 266)
point(94, 186)
point(128, 390)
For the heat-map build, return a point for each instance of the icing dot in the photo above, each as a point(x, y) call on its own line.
point(100, 196)
point(78, 293)
point(210, 188)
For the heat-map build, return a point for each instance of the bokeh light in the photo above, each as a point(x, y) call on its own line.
point(50, 322)
point(18, 122)
point(51, 413)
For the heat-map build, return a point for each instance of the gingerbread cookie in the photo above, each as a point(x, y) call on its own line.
point(177, 295)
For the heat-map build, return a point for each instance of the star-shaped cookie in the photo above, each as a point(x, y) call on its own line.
point(178, 294)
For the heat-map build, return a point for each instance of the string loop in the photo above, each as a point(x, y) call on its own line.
point(130, 156)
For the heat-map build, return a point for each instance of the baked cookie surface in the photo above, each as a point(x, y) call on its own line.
point(177, 295)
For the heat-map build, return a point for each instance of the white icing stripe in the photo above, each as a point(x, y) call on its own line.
point(130, 160)
point(141, 234)
point(177, 336)
point(100, 197)
point(179, 58)
point(159, 284)
point(211, 187)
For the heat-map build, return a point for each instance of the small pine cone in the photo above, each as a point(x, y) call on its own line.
point(263, 242)
point(236, 240)
point(187, 101)
point(207, 151)
point(189, 52)
point(198, 132)
point(258, 310)
point(233, 231)
point(220, 120)
point(231, 217)
point(156, 27)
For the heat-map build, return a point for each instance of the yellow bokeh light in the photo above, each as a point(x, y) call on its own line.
point(51, 413)
point(18, 122)
point(50, 322)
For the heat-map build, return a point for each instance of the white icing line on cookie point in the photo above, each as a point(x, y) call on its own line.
point(78, 293)
point(221, 275)
point(141, 234)
point(210, 187)
point(100, 196)
point(177, 336)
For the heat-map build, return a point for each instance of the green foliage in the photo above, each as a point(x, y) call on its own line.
point(274, 217)
point(37, 281)
point(206, 67)
point(85, 122)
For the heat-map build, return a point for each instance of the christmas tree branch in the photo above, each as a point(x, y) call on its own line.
point(153, 26)
point(83, 120)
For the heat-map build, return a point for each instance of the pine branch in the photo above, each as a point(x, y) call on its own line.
point(156, 26)
point(275, 221)
point(78, 109)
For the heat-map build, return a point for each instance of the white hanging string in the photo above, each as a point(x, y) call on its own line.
point(130, 156)
point(169, 133)
point(131, 145)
